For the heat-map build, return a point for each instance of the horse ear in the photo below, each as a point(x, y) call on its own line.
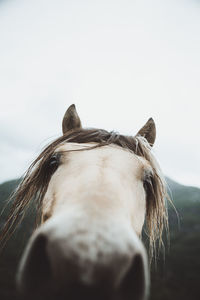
point(71, 119)
point(148, 131)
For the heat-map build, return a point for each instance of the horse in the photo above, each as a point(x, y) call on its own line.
point(94, 190)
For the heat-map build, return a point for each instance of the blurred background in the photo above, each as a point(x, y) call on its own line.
point(120, 62)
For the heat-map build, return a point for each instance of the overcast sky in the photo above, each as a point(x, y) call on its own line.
point(119, 61)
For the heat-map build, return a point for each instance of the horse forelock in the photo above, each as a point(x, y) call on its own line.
point(35, 181)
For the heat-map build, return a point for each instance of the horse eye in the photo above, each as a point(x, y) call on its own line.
point(145, 184)
point(54, 162)
point(147, 179)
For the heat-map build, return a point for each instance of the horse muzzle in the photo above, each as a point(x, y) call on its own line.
point(74, 261)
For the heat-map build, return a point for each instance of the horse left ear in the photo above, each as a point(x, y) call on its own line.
point(148, 131)
point(71, 119)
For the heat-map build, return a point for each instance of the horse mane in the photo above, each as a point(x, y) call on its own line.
point(35, 182)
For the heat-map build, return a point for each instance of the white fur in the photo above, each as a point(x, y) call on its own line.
point(103, 181)
point(96, 206)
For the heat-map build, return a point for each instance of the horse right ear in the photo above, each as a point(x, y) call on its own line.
point(71, 119)
point(148, 131)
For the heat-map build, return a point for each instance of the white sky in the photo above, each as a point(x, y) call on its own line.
point(119, 61)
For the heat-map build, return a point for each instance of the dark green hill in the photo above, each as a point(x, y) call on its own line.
point(10, 255)
point(183, 195)
point(6, 189)
point(178, 278)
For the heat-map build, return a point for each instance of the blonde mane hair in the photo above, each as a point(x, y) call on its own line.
point(35, 182)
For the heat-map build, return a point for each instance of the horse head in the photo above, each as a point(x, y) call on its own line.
point(94, 190)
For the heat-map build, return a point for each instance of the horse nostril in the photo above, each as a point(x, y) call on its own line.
point(136, 282)
point(34, 271)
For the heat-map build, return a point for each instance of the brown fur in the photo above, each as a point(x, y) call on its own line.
point(71, 119)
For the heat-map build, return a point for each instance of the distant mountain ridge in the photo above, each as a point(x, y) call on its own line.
point(183, 193)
